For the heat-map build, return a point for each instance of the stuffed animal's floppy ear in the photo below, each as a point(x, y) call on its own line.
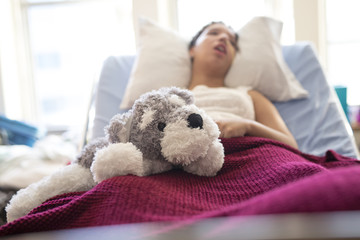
point(118, 129)
point(186, 95)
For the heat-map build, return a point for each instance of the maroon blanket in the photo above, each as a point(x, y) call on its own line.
point(259, 176)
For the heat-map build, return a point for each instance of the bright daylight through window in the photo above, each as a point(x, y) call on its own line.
point(343, 41)
point(69, 41)
point(235, 13)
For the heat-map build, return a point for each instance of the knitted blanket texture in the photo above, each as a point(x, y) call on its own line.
point(259, 176)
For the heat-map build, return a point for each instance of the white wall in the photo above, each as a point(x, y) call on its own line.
point(163, 12)
point(309, 17)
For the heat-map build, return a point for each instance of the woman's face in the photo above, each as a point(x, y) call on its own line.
point(216, 44)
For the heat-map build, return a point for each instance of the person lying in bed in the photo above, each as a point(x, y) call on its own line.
point(238, 112)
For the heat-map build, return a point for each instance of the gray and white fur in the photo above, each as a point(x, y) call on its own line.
point(162, 131)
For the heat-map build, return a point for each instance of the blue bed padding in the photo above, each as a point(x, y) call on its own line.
point(317, 122)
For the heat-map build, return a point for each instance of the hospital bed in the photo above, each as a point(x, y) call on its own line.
point(318, 124)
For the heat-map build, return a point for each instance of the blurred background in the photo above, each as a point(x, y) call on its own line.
point(51, 51)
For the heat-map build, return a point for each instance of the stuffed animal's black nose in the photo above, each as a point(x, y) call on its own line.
point(195, 121)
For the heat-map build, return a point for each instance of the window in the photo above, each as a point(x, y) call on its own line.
point(69, 40)
point(193, 15)
point(343, 46)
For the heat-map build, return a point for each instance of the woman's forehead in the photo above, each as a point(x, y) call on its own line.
point(222, 27)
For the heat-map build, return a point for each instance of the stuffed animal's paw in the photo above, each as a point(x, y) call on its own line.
point(67, 179)
point(116, 160)
point(210, 164)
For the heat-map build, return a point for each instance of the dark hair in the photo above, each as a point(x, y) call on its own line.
point(197, 35)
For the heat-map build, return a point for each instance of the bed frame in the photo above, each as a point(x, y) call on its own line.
point(319, 226)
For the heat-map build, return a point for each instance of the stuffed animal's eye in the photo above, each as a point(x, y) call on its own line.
point(161, 126)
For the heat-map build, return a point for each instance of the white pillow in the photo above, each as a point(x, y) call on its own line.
point(260, 63)
point(163, 60)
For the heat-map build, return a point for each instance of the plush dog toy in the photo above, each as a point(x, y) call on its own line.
point(163, 130)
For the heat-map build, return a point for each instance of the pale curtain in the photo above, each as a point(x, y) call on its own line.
point(17, 99)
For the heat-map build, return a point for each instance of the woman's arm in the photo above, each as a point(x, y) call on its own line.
point(268, 123)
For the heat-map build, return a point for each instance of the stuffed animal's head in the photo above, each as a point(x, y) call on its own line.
point(165, 124)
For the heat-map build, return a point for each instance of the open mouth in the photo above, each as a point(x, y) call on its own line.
point(221, 48)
